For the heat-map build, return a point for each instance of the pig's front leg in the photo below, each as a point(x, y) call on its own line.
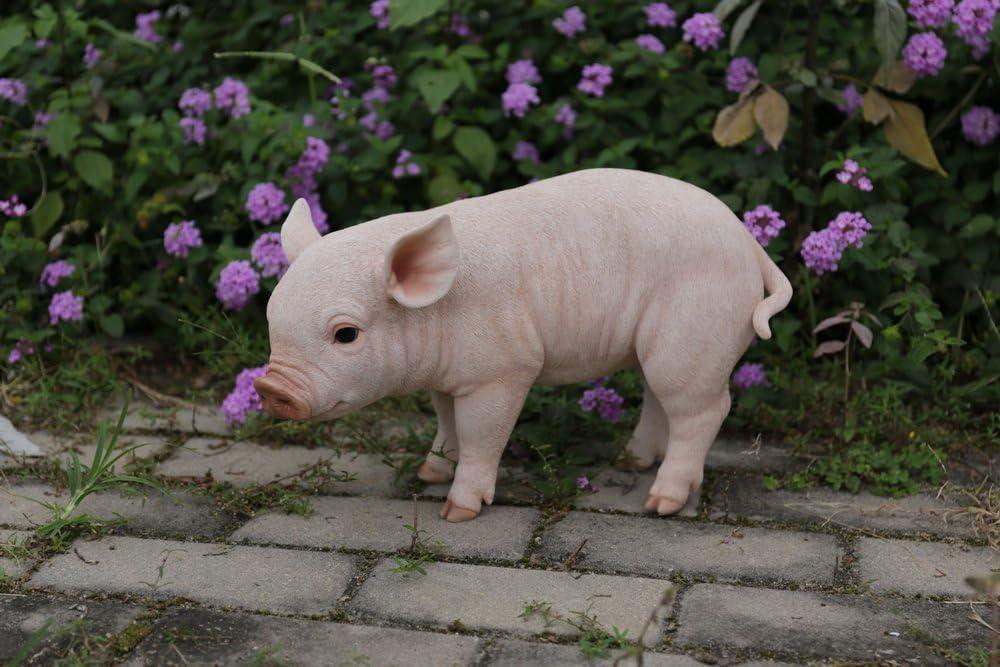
point(484, 420)
point(440, 464)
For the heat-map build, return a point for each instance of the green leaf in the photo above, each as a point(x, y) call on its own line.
point(979, 225)
point(889, 30)
point(476, 146)
point(436, 86)
point(443, 126)
point(61, 133)
point(113, 325)
point(47, 212)
point(403, 13)
point(45, 21)
point(11, 37)
point(741, 26)
point(94, 168)
point(444, 188)
point(725, 8)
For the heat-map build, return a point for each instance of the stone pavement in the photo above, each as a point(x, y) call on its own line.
point(755, 576)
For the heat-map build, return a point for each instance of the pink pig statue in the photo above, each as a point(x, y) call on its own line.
point(560, 281)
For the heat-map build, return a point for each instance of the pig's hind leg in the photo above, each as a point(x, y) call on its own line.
point(440, 464)
point(649, 440)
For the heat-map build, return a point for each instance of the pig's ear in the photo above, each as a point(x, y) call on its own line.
point(420, 266)
point(298, 230)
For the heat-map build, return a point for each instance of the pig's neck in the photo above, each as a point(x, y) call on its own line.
point(422, 352)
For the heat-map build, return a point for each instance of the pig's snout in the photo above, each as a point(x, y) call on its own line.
point(280, 398)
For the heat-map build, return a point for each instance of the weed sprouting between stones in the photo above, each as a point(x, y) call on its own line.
point(417, 554)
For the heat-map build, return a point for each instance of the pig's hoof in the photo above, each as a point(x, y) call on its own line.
point(663, 505)
point(428, 473)
point(634, 464)
point(456, 514)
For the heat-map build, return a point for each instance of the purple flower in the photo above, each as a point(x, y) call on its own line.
point(194, 130)
point(924, 54)
point(459, 25)
point(177, 46)
point(238, 282)
point(21, 350)
point(740, 72)
point(764, 223)
point(571, 22)
point(930, 13)
point(380, 12)
point(607, 402)
point(852, 99)
point(144, 27)
point(750, 375)
point(266, 203)
point(385, 76)
point(195, 101)
point(384, 130)
point(180, 237)
point(65, 307)
point(822, 250)
point(54, 272)
point(405, 165)
point(308, 120)
point(650, 43)
point(974, 20)
point(318, 214)
point(981, 125)
point(525, 150)
point(42, 43)
point(14, 91)
point(13, 207)
point(518, 98)
point(660, 14)
point(287, 19)
point(855, 175)
point(584, 484)
point(851, 227)
point(43, 118)
point(377, 94)
point(316, 154)
point(91, 55)
point(566, 117)
point(243, 399)
point(523, 71)
point(268, 255)
point(233, 97)
point(704, 30)
point(596, 77)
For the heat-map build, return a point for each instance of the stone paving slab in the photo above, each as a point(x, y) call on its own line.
point(924, 513)
point(12, 567)
point(21, 617)
point(254, 578)
point(822, 624)
point(143, 416)
point(925, 568)
point(624, 491)
point(500, 532)
point(514, 653)
point(180, 513)
point(247, 463)
point(661, 547)
point(59, 447)
point(493, 598)
point(737, 453)
point(205, 637)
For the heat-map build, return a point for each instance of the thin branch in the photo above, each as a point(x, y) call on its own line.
point(304, 63)
point(958, 107)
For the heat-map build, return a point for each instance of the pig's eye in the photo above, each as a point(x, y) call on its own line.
point(346, 335)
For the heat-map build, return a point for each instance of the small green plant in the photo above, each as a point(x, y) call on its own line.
point(595, 640)
point(417, 554)
point(410, 563)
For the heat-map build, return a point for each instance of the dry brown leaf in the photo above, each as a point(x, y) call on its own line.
point(899, 79)
point(905, 130)
point(734, 124)
point(770, 110)
point(875, 106)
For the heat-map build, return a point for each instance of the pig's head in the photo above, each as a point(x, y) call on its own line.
point(339, 318)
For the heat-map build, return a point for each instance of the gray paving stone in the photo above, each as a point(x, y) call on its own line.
point(254, 578)
point(913, 514)
point(21, 617)
point(493, 598)
point(11, 567)
point(623, 491)
point(378, 524)
point(142, 416)
point(822, 624)
point(153, 513)
point(661, 547)
point(737, 453)
point(927, 568)
point(205, 637)
point(247, 463)
point(513, 653)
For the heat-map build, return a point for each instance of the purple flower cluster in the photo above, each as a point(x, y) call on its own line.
point(704, 30)
point(91, 55)
point(822, 250)
point(238, 282)
point(855, 175)
point(287, 19)
point(243, 399)
point(609, 405)
point(43, 118)
point(973, 22)
point(750, 375)
point(659, 14)
point(233, 97)
point(595, 78)
point(266, 203)
point(518, 98)
point(571, 22)
point(925, 54)
point(740, 72)
point(525, 150)
point(268, 255)
point(852, 99)
point(54, 272)
point(65, 307)
point(384, 79)
point(302, 178)
point(144, 27)
point(566, 117)
point(194, 130)
point(405, 166)
point(650, 43)
point(584, 484)
point(459, 25)
point(21, 350)
point(14, 91)
point(380, 12)
point(195, 102)
point(930, 13)
point(523, 71)
point(764, 223)
point(180, 237)
point(981, 125)
point(13, 207)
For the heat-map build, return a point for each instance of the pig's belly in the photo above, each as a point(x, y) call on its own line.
point(583, 369)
